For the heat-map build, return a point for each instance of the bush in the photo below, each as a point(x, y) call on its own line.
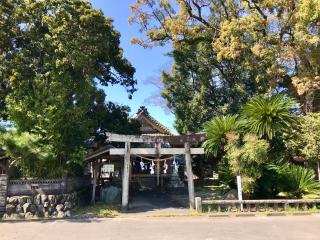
point(295, 181)
point(246, 157)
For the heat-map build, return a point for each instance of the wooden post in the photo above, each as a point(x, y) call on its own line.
point(198, 204)
point(125, 177)
point(189, 174)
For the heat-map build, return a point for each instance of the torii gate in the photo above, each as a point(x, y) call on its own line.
point(157, 151)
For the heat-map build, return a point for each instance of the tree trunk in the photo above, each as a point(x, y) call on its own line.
point(318, 170)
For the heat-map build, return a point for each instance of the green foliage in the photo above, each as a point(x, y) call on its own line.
point(266, 185)
point(110, 117)
point(198, 87)
point(304, 141)
point(262, 117)
point(217, 130)
point(276, 41)
point(267, 116)
point(53, 54)
point(296, 181)
point(245, 157)
point(30, 154)
point(226, 175)
point(309, 137)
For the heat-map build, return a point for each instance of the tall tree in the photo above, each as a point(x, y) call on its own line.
point(52, 55)
point(199, 87)
point(278, 41)
point(110, 117)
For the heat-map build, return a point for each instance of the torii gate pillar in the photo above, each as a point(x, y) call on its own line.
point(189, 175)
point(125, 177)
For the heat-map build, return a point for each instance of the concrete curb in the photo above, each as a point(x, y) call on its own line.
point(126, 216)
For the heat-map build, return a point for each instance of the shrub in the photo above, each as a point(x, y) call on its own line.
point(295, 181)
point(245, 157)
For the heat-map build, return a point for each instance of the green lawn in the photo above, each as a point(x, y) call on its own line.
point(97, 210)
point(209, 189)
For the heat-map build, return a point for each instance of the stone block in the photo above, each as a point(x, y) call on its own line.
point(26, 207)
point(59, 207)
point(28, 215)
point(33, 208)
point(19, 208)
point(44, 198)
point(10, 209)
point(67, 206)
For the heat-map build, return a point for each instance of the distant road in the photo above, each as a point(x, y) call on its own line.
point(177, 228)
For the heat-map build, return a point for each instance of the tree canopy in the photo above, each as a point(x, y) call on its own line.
point(250, 46)
point(53, 53)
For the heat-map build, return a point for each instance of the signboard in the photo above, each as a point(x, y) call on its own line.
point(108, 168)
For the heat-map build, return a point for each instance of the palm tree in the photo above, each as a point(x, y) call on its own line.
point(217, 130)
point(296, 181)
point(265, 116)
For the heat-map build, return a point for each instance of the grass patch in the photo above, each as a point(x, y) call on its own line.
point(210, 189)
point(98, 210)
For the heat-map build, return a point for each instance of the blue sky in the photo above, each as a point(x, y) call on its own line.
point(148, 62)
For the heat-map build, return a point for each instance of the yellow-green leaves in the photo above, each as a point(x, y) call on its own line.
point(277, 41)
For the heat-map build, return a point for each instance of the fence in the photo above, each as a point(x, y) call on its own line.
point(46, 186)
point(276, 205)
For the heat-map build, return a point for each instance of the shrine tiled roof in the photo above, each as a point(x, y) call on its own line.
point(161, 130)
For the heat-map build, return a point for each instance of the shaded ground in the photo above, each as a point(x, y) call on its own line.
point(155, 202)
point(184, 228)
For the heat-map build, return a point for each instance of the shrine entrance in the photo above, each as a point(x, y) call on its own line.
point(155, 200)
point(149, 163)
point(155, 183)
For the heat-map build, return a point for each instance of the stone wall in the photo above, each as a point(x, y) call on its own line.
point(42, 205)
point(30, 187)
point(3, 193)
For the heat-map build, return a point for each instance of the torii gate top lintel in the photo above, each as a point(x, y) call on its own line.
point(194, 138)
point(157, 150)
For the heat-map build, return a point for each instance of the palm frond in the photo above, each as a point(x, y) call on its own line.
point(268, 115)
point(216, 131)
point(296, 181)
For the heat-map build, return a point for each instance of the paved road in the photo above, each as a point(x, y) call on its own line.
point(184, 228)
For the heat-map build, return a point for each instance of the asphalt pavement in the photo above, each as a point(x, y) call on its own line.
point(156, 228)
